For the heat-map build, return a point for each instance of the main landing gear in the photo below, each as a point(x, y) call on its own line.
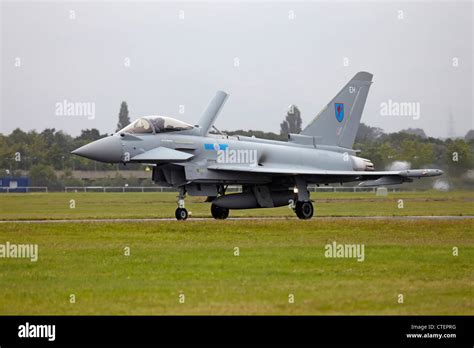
point(219, 213)
point(181, 213)
point(303, 206)
point(304, 209)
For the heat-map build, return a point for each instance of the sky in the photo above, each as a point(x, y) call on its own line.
point(69, 65)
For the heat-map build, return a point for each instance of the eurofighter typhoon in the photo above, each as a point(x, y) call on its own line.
point(271, 173)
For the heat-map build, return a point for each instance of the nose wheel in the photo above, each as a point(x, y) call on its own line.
point(181, 213)
point(304, 210)
point(219, 213)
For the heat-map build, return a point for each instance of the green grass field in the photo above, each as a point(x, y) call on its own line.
point(151, 205)
point(277, 257)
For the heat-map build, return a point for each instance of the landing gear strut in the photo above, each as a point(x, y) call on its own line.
point(304, 209)
point(181, 213)
point(219, 213)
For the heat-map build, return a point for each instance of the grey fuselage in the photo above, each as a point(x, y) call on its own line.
point(271, 173)
point(227, 150)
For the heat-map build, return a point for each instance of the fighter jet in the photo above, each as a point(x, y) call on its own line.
point(270, 173)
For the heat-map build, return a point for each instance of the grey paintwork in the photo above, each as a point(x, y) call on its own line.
point(202, 164)
point(353, 95)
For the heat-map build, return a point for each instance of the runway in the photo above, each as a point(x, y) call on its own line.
point(447, 217)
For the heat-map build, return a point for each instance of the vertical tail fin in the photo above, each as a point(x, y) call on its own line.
point(208, 117)
point(338, 122)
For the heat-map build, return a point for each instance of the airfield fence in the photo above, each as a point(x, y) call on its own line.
point(130, 189)
point(118, 189)
point(24, 189)
point(123, 189)
point(229, 189)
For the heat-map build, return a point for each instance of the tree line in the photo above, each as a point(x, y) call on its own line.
point(43, 153)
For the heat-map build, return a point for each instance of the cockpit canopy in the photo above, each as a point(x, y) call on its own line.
point(155, 124)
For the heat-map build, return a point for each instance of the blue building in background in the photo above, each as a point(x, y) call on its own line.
point(14, 184)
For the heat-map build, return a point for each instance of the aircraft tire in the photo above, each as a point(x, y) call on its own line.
point(181, 214)
point(219, 213)
point(304, 210)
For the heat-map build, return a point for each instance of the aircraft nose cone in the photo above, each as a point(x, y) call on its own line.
point(107, 149)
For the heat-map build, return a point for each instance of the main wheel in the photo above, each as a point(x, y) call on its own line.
point(219, 213)
point(304, 209)
point(181, 214)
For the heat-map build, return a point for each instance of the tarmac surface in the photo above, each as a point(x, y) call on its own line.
point(430, 217)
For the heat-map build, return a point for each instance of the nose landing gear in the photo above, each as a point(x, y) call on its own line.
point(181, 213)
